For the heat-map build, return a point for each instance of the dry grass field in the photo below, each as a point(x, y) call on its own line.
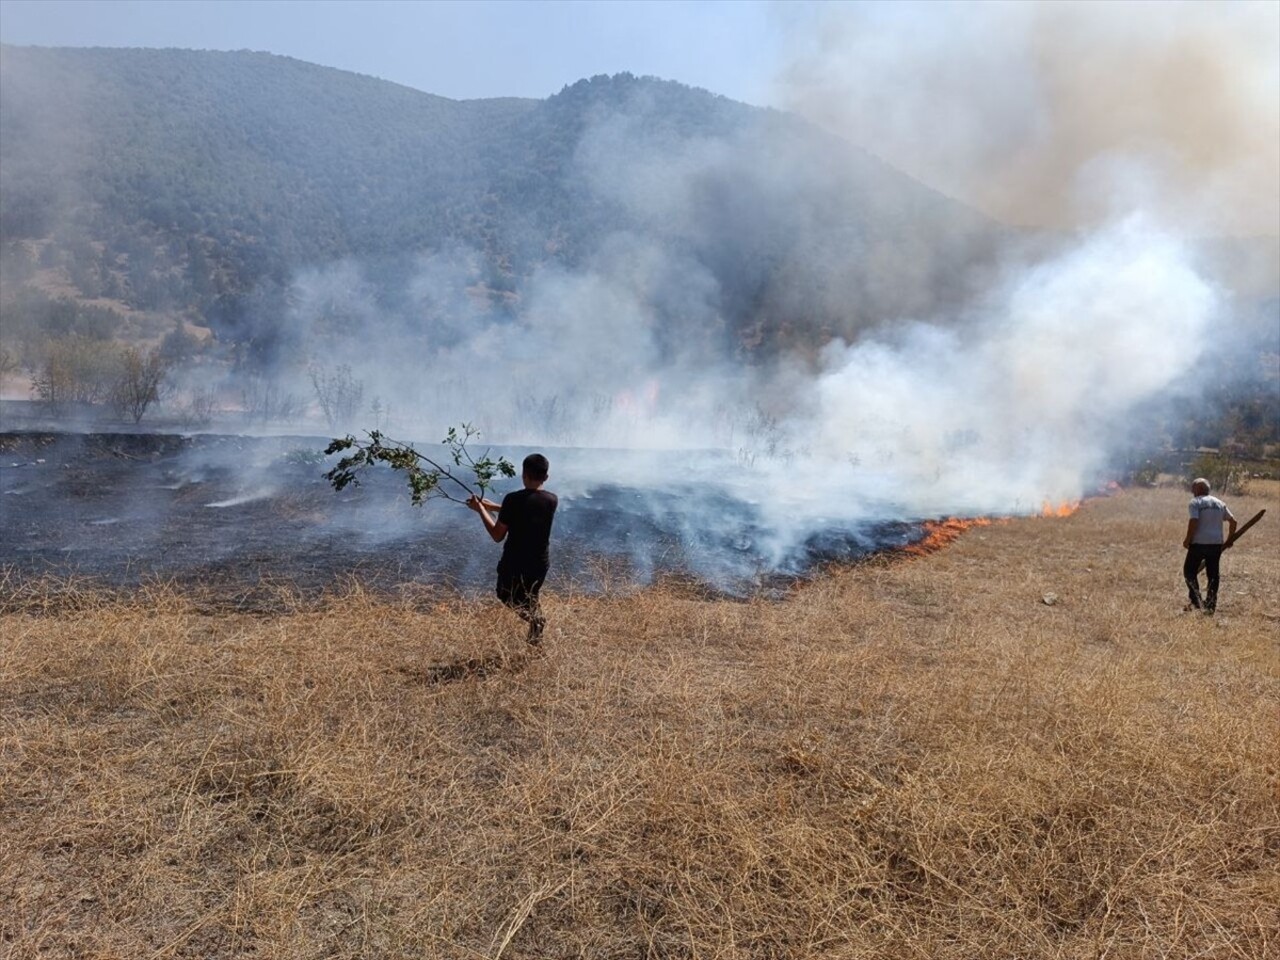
point(917, 758)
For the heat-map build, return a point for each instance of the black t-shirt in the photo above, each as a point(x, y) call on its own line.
point(528, 515)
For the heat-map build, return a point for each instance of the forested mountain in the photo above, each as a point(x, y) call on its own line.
point(200, 183)
point(269, 222)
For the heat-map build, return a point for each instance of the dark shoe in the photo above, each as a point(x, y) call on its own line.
point(536, 626)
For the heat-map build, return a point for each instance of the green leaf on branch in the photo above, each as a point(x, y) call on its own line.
point(427, 478)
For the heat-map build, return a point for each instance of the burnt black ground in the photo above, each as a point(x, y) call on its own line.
point(241, 513)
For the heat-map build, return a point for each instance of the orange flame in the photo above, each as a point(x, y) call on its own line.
point(1064, 509)
point(941, 533)
point(643, 400)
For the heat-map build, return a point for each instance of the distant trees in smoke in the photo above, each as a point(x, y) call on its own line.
point(8, 364)
point(137, 210)
point(75, 370)
point(139, 383)
point(200, 208)
point(78, 371)
point(264, 400)
point(339, 392)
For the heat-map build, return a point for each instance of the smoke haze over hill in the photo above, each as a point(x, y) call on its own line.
point(634, 264)
point(1056, 113)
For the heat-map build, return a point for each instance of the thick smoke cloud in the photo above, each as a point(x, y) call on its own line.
point(587, 358)
point(1017, 390)
point(934, 365)
point(1018, 402)
point(1059, 114)
point(1022, 405)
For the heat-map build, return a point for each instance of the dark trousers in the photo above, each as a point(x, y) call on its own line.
point(1209, 554)
point(519, 591)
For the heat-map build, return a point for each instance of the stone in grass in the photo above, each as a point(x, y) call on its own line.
point(1049, 599)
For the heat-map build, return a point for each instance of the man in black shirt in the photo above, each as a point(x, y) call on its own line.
point(524, 521)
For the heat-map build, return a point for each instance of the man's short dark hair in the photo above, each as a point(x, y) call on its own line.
point(536, 466)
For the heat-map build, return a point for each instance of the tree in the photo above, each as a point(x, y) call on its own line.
point(428, 478)
point(178, 344)
point(140, 382)
point(265, 401)
point(8, 363)
point(339, 393)
point(1224, 475)
point(75, 369)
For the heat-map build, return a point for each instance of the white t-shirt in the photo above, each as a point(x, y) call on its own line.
point(1210, 511)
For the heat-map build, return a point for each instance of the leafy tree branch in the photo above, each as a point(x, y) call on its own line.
point(455, 477)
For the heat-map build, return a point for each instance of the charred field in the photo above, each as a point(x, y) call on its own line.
point(240, 516)
point(1016, 746)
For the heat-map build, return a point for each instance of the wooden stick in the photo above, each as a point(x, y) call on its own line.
point(1247, 524)
point(1238, 534)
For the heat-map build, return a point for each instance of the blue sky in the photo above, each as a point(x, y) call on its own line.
point(477, 48)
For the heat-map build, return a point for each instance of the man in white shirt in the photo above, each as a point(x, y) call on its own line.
point(1204, 543)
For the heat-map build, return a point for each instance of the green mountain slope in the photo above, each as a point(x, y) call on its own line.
point(202, 182)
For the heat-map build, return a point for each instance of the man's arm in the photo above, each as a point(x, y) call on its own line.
point(1231, 530)
point(496, 529)
point(1191, 531)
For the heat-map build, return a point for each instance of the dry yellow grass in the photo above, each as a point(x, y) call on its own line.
point(918, 759)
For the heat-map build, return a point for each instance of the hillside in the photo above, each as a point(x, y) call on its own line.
point(202, 182)
point(258, 218)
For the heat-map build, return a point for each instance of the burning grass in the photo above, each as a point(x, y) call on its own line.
point(918, 759)
point(943, 533)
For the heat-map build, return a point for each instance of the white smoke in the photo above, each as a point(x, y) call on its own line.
point(1020, 390)
point(1127, 126)
point(1024, 404)
point(1021, 401)
point(1058, 113)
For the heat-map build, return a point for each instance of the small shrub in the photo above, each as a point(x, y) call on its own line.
point(339, 393)
point(196, 409)
point(8, 363)
point(75, 369)
point(264, 401)
point(140, 382)
point(1225, 476)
